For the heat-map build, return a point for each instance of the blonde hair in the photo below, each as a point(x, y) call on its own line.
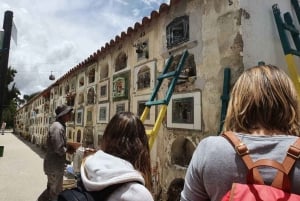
point(263, 97)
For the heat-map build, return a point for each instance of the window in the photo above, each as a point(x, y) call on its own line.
point(79, 117)
point(78, 137)
point(103, 113)
point(120, 106)
point(103, 90)
point(81, 81)
point(121, 62)
point(60, 91)
point(67, 89)
point(89, 116)
point(139, 106)
point(183, 110)
point(92, 76)
point(91, 96)
point(178, 31)
point(144, 76)
point(80, 98)
point(104, 71)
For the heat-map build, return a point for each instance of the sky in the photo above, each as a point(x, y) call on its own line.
point(54, 36)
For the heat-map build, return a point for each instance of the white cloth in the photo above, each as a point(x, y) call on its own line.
point(102, 170)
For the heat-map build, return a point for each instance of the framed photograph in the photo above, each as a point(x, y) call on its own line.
point(139, 106)
point(103, 90)
point(79, 117)
point(184, 111)
point(144, 78)
point(120, 106)
point(103, 113)
point(120, 86)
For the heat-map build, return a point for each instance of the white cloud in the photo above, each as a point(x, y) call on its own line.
point(122, 2)
point(57, 35)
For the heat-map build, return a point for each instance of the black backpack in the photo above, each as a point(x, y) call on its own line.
point(79, 193)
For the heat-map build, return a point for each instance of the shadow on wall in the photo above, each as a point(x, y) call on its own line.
point(182, 151)
point(174, 190)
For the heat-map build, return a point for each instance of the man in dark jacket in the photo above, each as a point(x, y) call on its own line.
point(57, 147)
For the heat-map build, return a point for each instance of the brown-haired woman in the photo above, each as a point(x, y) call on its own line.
point(263, 112)
point(124, 158)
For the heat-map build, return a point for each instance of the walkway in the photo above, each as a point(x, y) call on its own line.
point(21, 169)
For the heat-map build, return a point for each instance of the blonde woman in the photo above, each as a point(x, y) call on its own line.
point(263, 112)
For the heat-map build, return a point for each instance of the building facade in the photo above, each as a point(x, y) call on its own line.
point(222, 38)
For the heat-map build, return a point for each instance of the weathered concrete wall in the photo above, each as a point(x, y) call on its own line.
point(222, 35)
point(216, 43)
point(259, 32)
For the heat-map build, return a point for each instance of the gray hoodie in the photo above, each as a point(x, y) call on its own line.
point(102, 170)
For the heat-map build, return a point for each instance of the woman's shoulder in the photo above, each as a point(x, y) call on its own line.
point(56, 124)
point(213, 145)
point(131, 191)
point(215, 140)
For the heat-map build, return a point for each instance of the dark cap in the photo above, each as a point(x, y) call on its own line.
point(62, 110)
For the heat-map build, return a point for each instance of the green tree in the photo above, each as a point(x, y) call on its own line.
point(11, 99)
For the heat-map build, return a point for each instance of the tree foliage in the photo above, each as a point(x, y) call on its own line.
point(11, 100)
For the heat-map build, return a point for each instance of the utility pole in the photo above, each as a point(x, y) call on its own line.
point(4, 55)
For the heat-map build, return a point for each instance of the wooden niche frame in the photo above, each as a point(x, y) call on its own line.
point(103, 113)
point(121, 88)
point(120, 106)
point(103, 90)
point(79, 116)
point(144, 78)
point(184, 111)
point(138, 108)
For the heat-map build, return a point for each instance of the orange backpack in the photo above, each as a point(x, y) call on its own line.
point(256, 189)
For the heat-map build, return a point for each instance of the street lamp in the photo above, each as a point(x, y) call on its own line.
point(51, 77)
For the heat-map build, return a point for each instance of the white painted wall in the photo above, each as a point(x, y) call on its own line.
point(260, 35)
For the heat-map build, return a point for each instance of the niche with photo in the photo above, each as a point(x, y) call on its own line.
point(103, 113)
point(79, 117)
point(139, 106)
point(184, 111)
point(120, 88)
point(144, 78)
point(103, 91)
point(89, 116)
point(120, 106)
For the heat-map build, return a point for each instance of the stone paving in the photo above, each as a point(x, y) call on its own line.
point(21, 169)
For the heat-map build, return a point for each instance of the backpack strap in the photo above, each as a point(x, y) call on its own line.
point(81, 194)
point(292, 155)
point(103, 194)
point(98, 195)
point(243, 151)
